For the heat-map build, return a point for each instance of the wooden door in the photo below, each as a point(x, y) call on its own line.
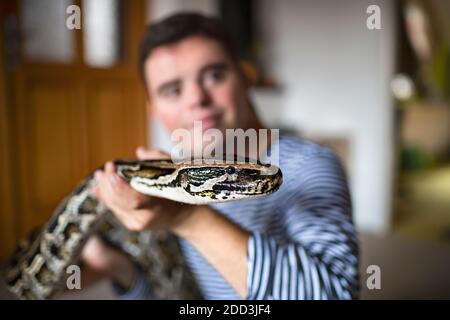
point(65, 119)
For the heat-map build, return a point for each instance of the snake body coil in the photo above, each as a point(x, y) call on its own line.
point(39, 267)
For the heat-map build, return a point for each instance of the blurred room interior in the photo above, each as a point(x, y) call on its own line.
point(72, 99)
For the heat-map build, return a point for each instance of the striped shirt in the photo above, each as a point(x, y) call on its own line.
point(303, 243)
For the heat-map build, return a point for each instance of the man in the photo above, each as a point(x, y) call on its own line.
point(298, 243)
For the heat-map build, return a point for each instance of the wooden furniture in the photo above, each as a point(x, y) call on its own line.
point(61, 121)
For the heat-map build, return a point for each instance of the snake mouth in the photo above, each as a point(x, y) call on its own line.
point(249, 187)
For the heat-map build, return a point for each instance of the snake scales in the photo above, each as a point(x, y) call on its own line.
point(38, 268)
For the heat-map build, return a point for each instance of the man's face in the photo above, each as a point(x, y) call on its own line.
point(195, 80)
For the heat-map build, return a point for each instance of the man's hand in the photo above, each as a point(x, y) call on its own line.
point(101, 260)
point(222, 242)
point(136, 210)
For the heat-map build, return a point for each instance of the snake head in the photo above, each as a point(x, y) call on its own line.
point(201, 183)
point(227, 182)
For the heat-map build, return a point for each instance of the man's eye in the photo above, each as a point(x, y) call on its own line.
point(214, 77)
point(171, 92)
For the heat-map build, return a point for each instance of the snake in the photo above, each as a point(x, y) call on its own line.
point(38, 268)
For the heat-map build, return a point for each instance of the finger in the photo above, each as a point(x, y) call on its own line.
point(112, 205)
point(91, 248)
point(147, 154)
point(109, 167)
point(94, 191)
point(97, 175)
point(107, 186)
point(115, 185)
point(102, 186)
point(127, 206)
point(120, 194)
point(136, 220)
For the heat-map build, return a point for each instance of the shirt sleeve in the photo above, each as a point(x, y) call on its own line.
point(320, 260)
point(139, 290)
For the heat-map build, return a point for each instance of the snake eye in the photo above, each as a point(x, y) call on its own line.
point(231, 170)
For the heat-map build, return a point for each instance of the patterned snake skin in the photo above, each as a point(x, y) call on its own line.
point(38, 269)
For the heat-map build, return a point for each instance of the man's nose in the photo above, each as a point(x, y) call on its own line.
point(198, 96)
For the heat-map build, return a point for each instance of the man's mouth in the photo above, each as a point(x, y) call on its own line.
point(211, 121)
point(208, 123)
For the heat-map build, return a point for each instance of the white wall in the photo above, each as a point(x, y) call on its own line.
point(158, 9)
point(334, 75)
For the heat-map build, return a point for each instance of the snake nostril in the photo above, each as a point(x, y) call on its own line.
point(231, 170)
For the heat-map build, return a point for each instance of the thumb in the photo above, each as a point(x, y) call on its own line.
point(147, 154)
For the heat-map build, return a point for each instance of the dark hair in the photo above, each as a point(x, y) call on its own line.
point(180, 26)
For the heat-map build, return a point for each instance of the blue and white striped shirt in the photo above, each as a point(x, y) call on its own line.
point(303, 243)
